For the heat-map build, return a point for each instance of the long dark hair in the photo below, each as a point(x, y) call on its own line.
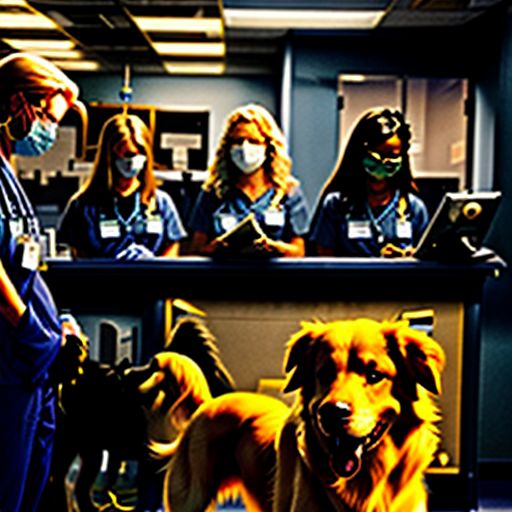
point(373, 128)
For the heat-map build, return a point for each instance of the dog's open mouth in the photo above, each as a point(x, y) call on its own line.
point(346, 451)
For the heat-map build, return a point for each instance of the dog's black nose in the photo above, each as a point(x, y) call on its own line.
point(333, 417)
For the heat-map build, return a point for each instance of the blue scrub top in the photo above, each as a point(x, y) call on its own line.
point(26, 354)
point(364, 233)
point(103, 232)
point(287, 220)
point(26, 351)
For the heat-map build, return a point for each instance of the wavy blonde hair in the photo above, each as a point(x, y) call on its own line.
point(222, 173)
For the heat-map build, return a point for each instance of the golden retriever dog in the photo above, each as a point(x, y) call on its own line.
point(227, 451)
point(363, 430)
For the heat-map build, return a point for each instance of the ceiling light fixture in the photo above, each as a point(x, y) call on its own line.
point(14, 3)
point(24, 21)
point(77, 65)
point(195, 68)
point(302, 18)
point(211, 26)
point(40, 44)
point(60, 54)
point(191, 49)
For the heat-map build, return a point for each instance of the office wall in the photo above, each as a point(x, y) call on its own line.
point(220, 94)
point(319, 58)
point(496, 388)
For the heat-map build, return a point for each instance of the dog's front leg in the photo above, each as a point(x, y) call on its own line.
point(90, 467)
point(287, 458)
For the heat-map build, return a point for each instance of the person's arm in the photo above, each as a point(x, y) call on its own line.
point(295, 248)
point(202, 245)
point(12, 306)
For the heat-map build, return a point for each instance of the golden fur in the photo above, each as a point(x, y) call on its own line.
point(363, 430)
point(178, 387)
point(226, 451)
point(358, 439)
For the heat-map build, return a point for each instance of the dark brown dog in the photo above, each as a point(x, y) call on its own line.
point(362, 432)
point(116, 408)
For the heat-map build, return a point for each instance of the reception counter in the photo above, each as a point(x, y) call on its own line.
point(254, 306)
point(284, 278)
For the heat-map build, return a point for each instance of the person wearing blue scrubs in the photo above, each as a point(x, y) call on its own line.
point(34, 96)
point(251, 173)
point(119, 212)
point(369, 206)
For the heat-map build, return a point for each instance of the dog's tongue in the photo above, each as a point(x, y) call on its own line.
point(346, 463)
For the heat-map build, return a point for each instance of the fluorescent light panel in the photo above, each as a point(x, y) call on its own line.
point(302, 18)
point(40, 44)
point(60, 54)
point(14, 3)
point(77, 65)
point(195, 68)
point(24, 21)
point(212, 26)
point(191, 49)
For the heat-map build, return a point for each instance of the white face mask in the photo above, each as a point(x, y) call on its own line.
point(248, 157)
point(131, 166)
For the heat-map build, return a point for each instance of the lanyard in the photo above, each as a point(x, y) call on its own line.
point(377, 221)
point(16, 201)
point(135, 213)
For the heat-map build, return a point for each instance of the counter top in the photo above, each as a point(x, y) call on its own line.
point(278, 278)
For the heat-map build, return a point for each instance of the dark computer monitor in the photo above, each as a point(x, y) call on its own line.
point(458, 227)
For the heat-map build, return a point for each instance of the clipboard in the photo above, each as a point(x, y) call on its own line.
point(240, 238)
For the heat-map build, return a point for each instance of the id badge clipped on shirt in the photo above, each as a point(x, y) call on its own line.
point(358, 229)
point(109, 229)
point(155, 225)
point(227, 221)
point(274, 217)
point(404, 230)
point(16, 227)
point(30, 252)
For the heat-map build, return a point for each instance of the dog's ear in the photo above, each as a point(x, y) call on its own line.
point(296, 353)
point(422, 357)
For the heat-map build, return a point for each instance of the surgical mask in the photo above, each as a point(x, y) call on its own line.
point(248, 157)
point(380, 168)
point(131, 166)
point(39, 139)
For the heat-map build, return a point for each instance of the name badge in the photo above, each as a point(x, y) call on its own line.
point(16, 227)
point(154, 225)
point(227, 221)
point(30, 253)
point(359, 229)
point(109, 229)
point(274, 217)
point(404, 230)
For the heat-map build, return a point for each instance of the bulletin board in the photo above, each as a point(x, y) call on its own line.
point(180, 135)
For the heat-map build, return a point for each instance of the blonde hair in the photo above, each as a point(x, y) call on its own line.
point(222, 174)
point(128, 128)
point(33, 75)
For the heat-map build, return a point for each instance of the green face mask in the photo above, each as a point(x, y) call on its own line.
point(381, 169)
